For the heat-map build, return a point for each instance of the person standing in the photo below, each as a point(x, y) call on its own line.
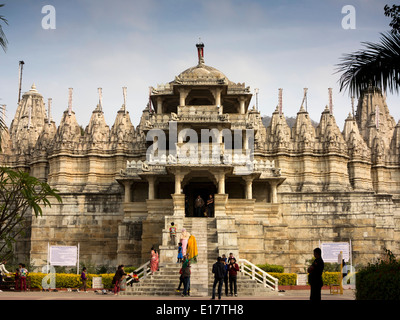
point(180, 254)
point(118, 277)
point(83, 279)
point(153, 261)
point(233, 269)
point(172, 233)
point(17, 280)
point(198, 206)
point(225, 262)
point(315, 275)
point(210, 206)
point(3, 270)
point(184, 240)
point(186, 276)
point(23, 273)
point(219, 272)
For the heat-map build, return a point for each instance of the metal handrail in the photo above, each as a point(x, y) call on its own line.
point(257, 274)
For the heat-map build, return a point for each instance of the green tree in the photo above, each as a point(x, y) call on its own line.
point(20, 192)
point(377, 65)
point(3, 38)
point(394, 13)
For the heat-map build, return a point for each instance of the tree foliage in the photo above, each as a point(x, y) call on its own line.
point(378, 64)
point(3, 38)
point(394, 13)
point(20, 192)
point(380, 280)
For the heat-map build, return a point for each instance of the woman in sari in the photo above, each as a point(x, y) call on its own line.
point(153, 261)
point(184, 240)
point(192, 249)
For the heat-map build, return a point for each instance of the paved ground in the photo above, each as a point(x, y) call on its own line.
point(63, 295)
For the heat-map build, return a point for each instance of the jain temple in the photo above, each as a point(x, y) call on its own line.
point(279, 191)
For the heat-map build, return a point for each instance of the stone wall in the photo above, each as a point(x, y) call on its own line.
point(88, 219)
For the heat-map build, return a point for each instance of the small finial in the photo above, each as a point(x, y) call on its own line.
point(124, 93)
point(70, 101)
point(49, 110)
point(280, 101)
point(200, 51)
point(304, 100)
point(330, 101)
point(100, 107)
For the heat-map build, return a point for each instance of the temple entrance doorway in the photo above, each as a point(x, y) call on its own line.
point(198, 187)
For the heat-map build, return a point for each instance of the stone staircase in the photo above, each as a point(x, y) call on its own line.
point(166, 280)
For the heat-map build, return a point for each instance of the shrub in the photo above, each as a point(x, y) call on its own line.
point(379, 281)
point(329, 278)
point(67, 280)
point(285, 279)
point(271, 268)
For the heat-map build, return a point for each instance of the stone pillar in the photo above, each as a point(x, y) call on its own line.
point(178, 182)
point(217, 96)
point(127, 185)
point(183, 93)
point(221, 183)
point(151, 180)
point(242, 106)
point(274, 191)
point(249, 187)
point(159, 105)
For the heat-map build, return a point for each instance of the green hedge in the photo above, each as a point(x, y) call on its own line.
point(285, 279)
point(329, 278)
point(271, 268)
point(67, 280)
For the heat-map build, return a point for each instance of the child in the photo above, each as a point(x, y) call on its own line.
point(172, 233)
point(180, 256)
point(17, 280)
point(23, 273)
point(132, 277)
point(135, 277)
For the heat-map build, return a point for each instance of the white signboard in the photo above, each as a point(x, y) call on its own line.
point(63, 256)
point(97, 283)
point(331, 251)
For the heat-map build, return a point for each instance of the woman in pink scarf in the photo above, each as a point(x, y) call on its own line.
point(153, 261)
point(184, 240)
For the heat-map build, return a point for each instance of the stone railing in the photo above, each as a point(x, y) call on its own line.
point(257, 274)
point(240, 162)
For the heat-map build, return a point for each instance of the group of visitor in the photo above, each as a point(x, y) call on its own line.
point(224, 270)
point(20, 275)
point(202, 208)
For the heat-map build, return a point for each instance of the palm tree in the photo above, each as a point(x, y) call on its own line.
point(3, 126)
point(3, 44)
point(378, 65)
point(3, 39)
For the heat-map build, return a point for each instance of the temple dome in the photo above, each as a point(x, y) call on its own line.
point(202, 71)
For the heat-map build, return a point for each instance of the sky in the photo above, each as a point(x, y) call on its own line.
point(267, 45)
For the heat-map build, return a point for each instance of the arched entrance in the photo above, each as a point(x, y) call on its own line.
point(200, 183)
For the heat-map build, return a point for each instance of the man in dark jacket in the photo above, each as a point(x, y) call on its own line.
point(219, 271)
point(315, 275)
point(233, 269)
